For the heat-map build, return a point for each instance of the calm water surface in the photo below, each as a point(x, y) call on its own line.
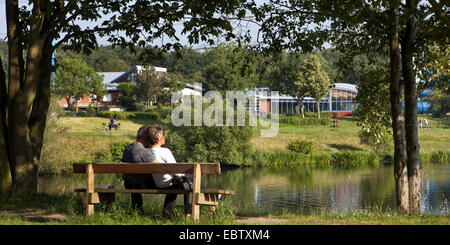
point(299, 189)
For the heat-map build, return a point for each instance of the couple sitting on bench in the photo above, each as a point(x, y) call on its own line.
point(147, 148)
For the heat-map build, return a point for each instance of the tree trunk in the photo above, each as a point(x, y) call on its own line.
point(300, 105)
point(28, 97)
point(5, 168)
point(41, 104)
point(412, 140)
point(398, 124)
point(69, 104)
point(318, 108)
point(76, 106)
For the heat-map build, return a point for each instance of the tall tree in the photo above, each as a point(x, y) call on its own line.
point(398, 120)
point(312, 79)
point(31, 31)
point(74, 79)
point(148, 85)
point(171, 83)
point(283, 74)
point(373, 112)
point(409, 75)
point(228, 68)
point(357, 27)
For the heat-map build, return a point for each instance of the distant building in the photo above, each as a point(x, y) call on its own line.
point(340, 99)
point(112, 80)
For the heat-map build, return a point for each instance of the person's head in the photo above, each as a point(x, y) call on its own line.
point(143, 135)
point(157, 135)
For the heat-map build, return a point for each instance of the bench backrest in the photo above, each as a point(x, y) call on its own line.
point(147, 168)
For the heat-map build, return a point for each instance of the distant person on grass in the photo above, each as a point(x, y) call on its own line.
point(426, 123)
point(111, 123)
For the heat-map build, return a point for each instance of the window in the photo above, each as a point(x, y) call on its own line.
point(107, 98)
point(335, 94)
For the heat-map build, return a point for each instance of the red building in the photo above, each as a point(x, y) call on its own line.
point(111, 80)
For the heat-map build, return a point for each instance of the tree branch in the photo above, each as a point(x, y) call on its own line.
point(15, 55)
point(439, 13)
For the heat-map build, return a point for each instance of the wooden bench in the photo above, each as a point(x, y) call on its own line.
point(199, 197)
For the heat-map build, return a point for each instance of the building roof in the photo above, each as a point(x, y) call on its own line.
point(108, 77)
point(346, 86)
point(265, 92)
point(111, 78)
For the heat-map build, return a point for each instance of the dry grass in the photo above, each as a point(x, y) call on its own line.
point(346, 137)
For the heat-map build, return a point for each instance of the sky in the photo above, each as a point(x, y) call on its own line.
point(2, 20)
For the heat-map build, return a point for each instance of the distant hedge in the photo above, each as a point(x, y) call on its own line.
point(296, 120)
point(123, 115)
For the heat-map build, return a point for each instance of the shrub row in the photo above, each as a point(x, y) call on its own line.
point(114, 154)
point(296, 120)
point(301, 146)
point(289, 157)
point(255, 157)
point(124, 115)
point(435, 157)
point(343, 158)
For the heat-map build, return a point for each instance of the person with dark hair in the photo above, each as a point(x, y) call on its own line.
point(137, 153)
point(157, 136)
point(111, 124)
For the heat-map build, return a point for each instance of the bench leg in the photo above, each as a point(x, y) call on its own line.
point(197, 180)
point(89, 189)
point(89, 209)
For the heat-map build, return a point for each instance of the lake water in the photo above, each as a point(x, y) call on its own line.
point(299, 189)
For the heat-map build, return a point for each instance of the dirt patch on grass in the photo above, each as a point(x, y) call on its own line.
point(263, 220)
point(37, 215)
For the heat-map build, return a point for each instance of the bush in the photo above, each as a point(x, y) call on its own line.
point(354, 158)
point(289, 157)
point(343, 158)
point(114, 154)
point(384, 143)
point(91, 111)
point(82, 114)
point(440, 156)
point(434, 157)
point(301, 146)
point(222, 144)
point(296, 120)
point(126, 101)
point(124, 115)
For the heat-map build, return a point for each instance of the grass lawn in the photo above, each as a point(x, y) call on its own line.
point(346, 137)
point(43, 209)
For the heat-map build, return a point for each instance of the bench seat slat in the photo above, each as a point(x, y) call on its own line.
point(146, 168)
point(155, 191)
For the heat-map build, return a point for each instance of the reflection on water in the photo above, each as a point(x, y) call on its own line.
point(297, 189)
point(303, 190)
